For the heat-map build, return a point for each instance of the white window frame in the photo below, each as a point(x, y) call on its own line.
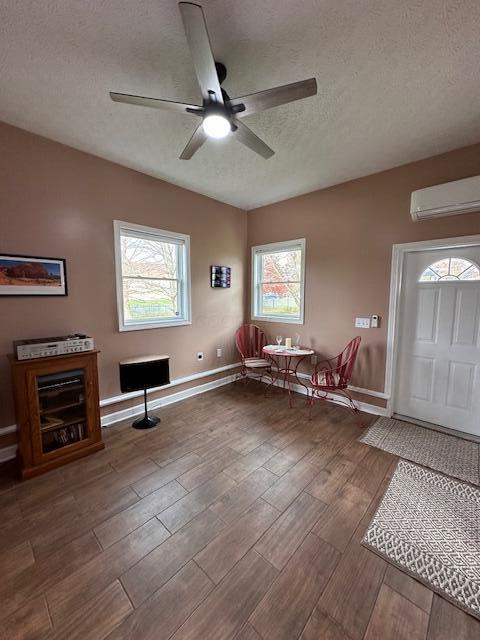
point(184, 276)
point(257, 253)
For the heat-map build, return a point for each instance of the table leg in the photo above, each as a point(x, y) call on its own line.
point(295, 375)
point(286, 371)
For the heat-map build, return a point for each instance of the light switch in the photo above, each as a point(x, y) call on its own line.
point(362, 323)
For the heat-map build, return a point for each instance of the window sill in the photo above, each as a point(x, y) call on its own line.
point(279, 319)
point(153, 325)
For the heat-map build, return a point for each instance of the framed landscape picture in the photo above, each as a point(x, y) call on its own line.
point(32, 276)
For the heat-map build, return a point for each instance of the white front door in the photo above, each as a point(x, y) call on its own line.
point(438, 357)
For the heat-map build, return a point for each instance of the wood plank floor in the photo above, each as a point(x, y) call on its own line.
point(237, 518)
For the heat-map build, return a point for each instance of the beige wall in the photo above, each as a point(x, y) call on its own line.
point(59, 202)
point(56, 201)
point(350, 230)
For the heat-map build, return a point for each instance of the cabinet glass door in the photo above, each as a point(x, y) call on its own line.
point(63, 410)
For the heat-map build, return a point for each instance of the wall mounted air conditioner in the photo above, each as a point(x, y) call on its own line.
point(449, 199)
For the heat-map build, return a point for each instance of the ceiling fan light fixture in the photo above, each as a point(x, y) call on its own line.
point(216, 126)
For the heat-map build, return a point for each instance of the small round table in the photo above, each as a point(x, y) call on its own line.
point(292, 358)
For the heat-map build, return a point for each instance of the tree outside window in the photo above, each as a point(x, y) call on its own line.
point(150, 278)
point(153, 284)
point(281, 283)
point(278, 281)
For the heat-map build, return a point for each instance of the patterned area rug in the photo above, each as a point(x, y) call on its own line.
point(449, 454)
point(429, 526)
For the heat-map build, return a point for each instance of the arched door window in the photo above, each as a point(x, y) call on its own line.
point(451, 269)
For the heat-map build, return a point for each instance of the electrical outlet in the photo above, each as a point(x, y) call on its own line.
point(200, 355)
point(314, 359)
point(219, 352)
point(362, 323)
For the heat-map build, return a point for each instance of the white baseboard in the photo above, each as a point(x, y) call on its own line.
point(365, 392)
point(10, 429)
point(124, 414)
point(174, 383)
point(7, 453)
point(370, 392)
point(336, 399)
point(363, 406)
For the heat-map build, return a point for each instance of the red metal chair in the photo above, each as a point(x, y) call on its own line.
point(250, 341)
point(333, 376)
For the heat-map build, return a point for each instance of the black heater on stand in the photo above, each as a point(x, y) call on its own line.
point(142, 373)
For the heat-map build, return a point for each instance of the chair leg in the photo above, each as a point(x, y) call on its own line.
point(346, 400)
point(310, 404)
point(354, 409)
point(244, 374)
point(271, 383)
point(358, 415)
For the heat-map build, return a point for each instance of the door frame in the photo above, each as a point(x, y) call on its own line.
point(399, 252)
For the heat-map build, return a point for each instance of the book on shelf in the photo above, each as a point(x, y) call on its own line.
point(69, 435)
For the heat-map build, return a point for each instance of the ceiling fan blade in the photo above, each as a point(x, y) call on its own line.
point(246, 136)
point(199, 43)
point(198, 138)
point(274, 97)
point(156, 103)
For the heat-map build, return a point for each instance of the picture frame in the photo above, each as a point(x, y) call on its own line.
point(22, 275)
point(220, 277)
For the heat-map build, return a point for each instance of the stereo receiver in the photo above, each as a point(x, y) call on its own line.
point(57, 346)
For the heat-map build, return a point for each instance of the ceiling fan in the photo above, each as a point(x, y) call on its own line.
point(220, 115)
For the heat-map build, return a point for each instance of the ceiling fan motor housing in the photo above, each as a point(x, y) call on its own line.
point(221, 71)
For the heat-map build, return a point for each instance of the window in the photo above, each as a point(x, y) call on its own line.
point(278, 278)
point(451, 269)
point(153, 277)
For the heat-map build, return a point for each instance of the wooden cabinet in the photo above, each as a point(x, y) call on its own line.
point(57, 409)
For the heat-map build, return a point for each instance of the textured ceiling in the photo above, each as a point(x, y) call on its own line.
point(398, 81)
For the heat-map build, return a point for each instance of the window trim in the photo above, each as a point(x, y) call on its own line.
point(184, 281)
point(273, 247)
